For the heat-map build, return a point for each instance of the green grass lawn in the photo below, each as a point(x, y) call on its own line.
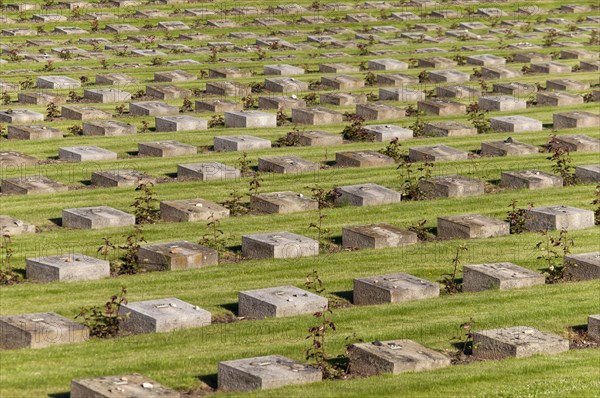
point(187, 359)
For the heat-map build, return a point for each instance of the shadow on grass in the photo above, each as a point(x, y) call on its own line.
point(233, 307)
point(56, 221)
point(344, 295)
point(133, 153)
point(579, 328)
point(60, 395)
point(210, 380)
point(171, 175)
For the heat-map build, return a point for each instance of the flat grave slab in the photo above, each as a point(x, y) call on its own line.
point(282, 202)
point(457, 91)
point(367, 194)
point(342, 99)
point(283, 70)
point(376, 236)
point(587, 265)
point(33, 132)
point(13, 226)
point(566, 84)
point(319, 138)
point(165, 149)
point(227, 88)
point(452, 186)
point(448, 129)
point(97, 217)
point(394, 356)
point(152, 108)
point(280, 103)
point(594, 327)
point(129, 385)
point(119, 178)
point(207, 171)
point(485, 60)
point(575, 119)
point(529, 179)
point(162, 315)
point(559, 218)
point(84, 113)
point(278, 245)
point(448, 76)
point(515, 124)
point(375, 111)
point(40, 98)
point(85, 154)
point(57, 82)
point(115, 79)
point(558, 99)
point(39, 330)
point(174, 76)
point(588, 173)
point(108, 128)
point(436, 63)
point(167, 92)
point(550, 68)
point(387, 132)
point(180, 123)
point(240, 143)
point(516, 341)
point(217, 105)
point(278, 302)
point(261, 373)
point(250, 119)
point(286, 85)
point(499, 72)
point(315, 116)
point(436, 153)
point(189, 210)
point(501, 276)
point(20, 116)
point(579, 143)
point(30, 185)
point(501, 103)
point(342, 82)
point(173, 256)
point(12, 159)
point(386, 64)
point(507, 147)
point(400, 94)
point(68, 267)
point(337, 68)
point(362, 159)
point(106, 95)
point(513, 88)
point(441, 107)
point(469, 226)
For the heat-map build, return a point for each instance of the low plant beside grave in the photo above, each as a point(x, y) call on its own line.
point(103, 321)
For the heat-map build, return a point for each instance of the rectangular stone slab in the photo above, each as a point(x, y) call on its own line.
point(501, 276)
point(13, 226)
point(240, 143)
point(33, 132)
point(96, 218)
point(587, 265)
point(166, 149)
point(508, 147)
point(575, 119)
point(594, 327)
point(31, 185)
point(174, 256)
point(68, 267)
point(394, 356)
point(388, 132)
point(579, 143)
point(376, 236)
point(39, 330)
point(287, 165)
point(448, 129)
point(281, 203)
point(250, 119)
point(453, 186)
point(529, 179)
point(120, 386)
point(261, 373)
point(588, 173)
point(315, 116)
point(85, 154)
point(191, 210)
point(366, 195)
point(318, 138)
point(162, 315)
point(278, 245)
point(468, 226)
point(559, 218)
point(119, 178)
point(217, 105)
point(392, 288)
point(207, 171)
point(277, 302)
point(515, 124)
point(108, 128)
point(362, 159)
point(436, 153)
point(517, 341)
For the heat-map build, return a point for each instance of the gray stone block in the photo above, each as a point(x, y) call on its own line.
point(16, 159)
point(342, 99)
point(106, 95)
point(162, 315)
point(57, 82)
point(566, 84)
point(436, 153)
point(388, 132)
point(173, 256)
point(119, 178)
point(286, 85)
point(174, 76)
point(396, 79)
point(469, 226)
point(366, 195)
point(376, 111)
point(207, 171)
point(501, 276)
point(448, 76)
point(114, 79)
point(128, 385)
point(84, 113)
point(277, 302)
point(499, 72)
point(40, 98)
point(588, 173)
point(515, 124)
point(558, 99)
point(575, 119)
point(508, 147)
point(108, 128)
point(517, 341)
point(448, 129)
point(453, 186)
point(20, 116)
point(559, 218)
point(189, 210)
point(376, 236)
point(315, 116)
point(362, 159)
point(37, 184)
point(485, 60)
point(240, 143)
point(436, 63)
point(457, 91)
point(394, 356)
point(39, 330)
point(386, 64)
point(280, 103)
point(319, 138)
point(283, 70)
point(231, 89)
point(180, 123)
point(167, 92)
point(594, 327)
point(85, 154)
point(261, 373)
point(250, 119)
point(166, 149)
point(440, 107)
point(152, 108)
point(529, 179)
point(278, 245)
point(501, 103)
point(584, 266)
point(579, 143)
point(400, 94)
point(513, 88)
point(550, 68)
point(33, 132)
point(281, 203)
point(96, 218)
point(337, 68)
point(68, 267)
point(12, 226)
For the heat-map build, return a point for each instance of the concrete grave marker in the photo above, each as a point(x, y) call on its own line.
point(85, 154)
point(515, 124)
point(400, 94)
point(167, 92)
point(165, 149)
point(501, 276)
point(388, 132)
point(108, 128)
point(517, 341)
point(468, 226)
point(281, 203)
point(105, 95)
point(13, 227)
point(575, 119)
point(529, 179)
point(217, 105)
point(280, 102)
point(226, 88)
point(57, 82)
point(377, 111)
point(33, 132)
point(436, 153)
point(558, 99)
point(207, 171)
point(287, 85)
point(588, 173)
point(162, 315)
point(191, 210)
point(240, 143)
point(315, 116)
point(20, 116)
point(448, 129)
point(173, 256)
point(448, 76)
point(318, 138)
point(362, 159)
point(367, 194)
point(119, 178)
point(287, 165)
point(586, 266)
point(96, 218)
point(453, 186)
point(68, 267)
point(376, 236)
point(278, 302)
point(579, 143)
point(250, 119)
point(84, 113)
point(30, 185)
point(278, 245)
point(501, 103)
point(180, 123)
point(152, 108)
point(441, 107)
point(558, 218)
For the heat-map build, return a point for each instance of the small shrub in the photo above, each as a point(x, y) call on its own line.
point(393, 150)
point(563, 164)
point(313, 282)
point(103, 321)
point(550, 38)
point(424, 77)
point(52, 111)
point(292, 138)
point(128, 263)
point(216, 121)
point(423, 233)
point(106, 247)
point(73, 97)
point(49, 67)
point(596, 202)
point(355, 131)
point(145, 127)
point(186, 106)
point(257, 87)
point(6, 100)
point(235, 204)
point(465, 337)
point(450, 281)
point(552, 252)
point(215, 237)
point(411, 178)
point(517, 217)
point(317, 353)
point(8, 276)
point(145, 210)
point(120, 109)
point(282, 117)
point(158, 61)
point(478, 118)
point(311, 99)
point(249, 102)
point(243, 164)
point(370, 79)
point(75, 130)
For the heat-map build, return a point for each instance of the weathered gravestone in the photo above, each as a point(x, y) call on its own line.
point(278, 245)
point(517, 341)
point(30, 185)
point(33, 132)
point(501, 276)
point(453, 186)
point(584, 266)
point(12, 226)
point(376, 236)
point(189, 210)
point(559, 218)
point(280, 301)
point(162, 315)
point(108, 128)
point(96, 218)
point(85, 154)
point(174, 256)
point(120, 178)
point(68, 267)
point(368, 194)
point(469, 226)
point(207, 171)
point(166, 149)
point(281, 202)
